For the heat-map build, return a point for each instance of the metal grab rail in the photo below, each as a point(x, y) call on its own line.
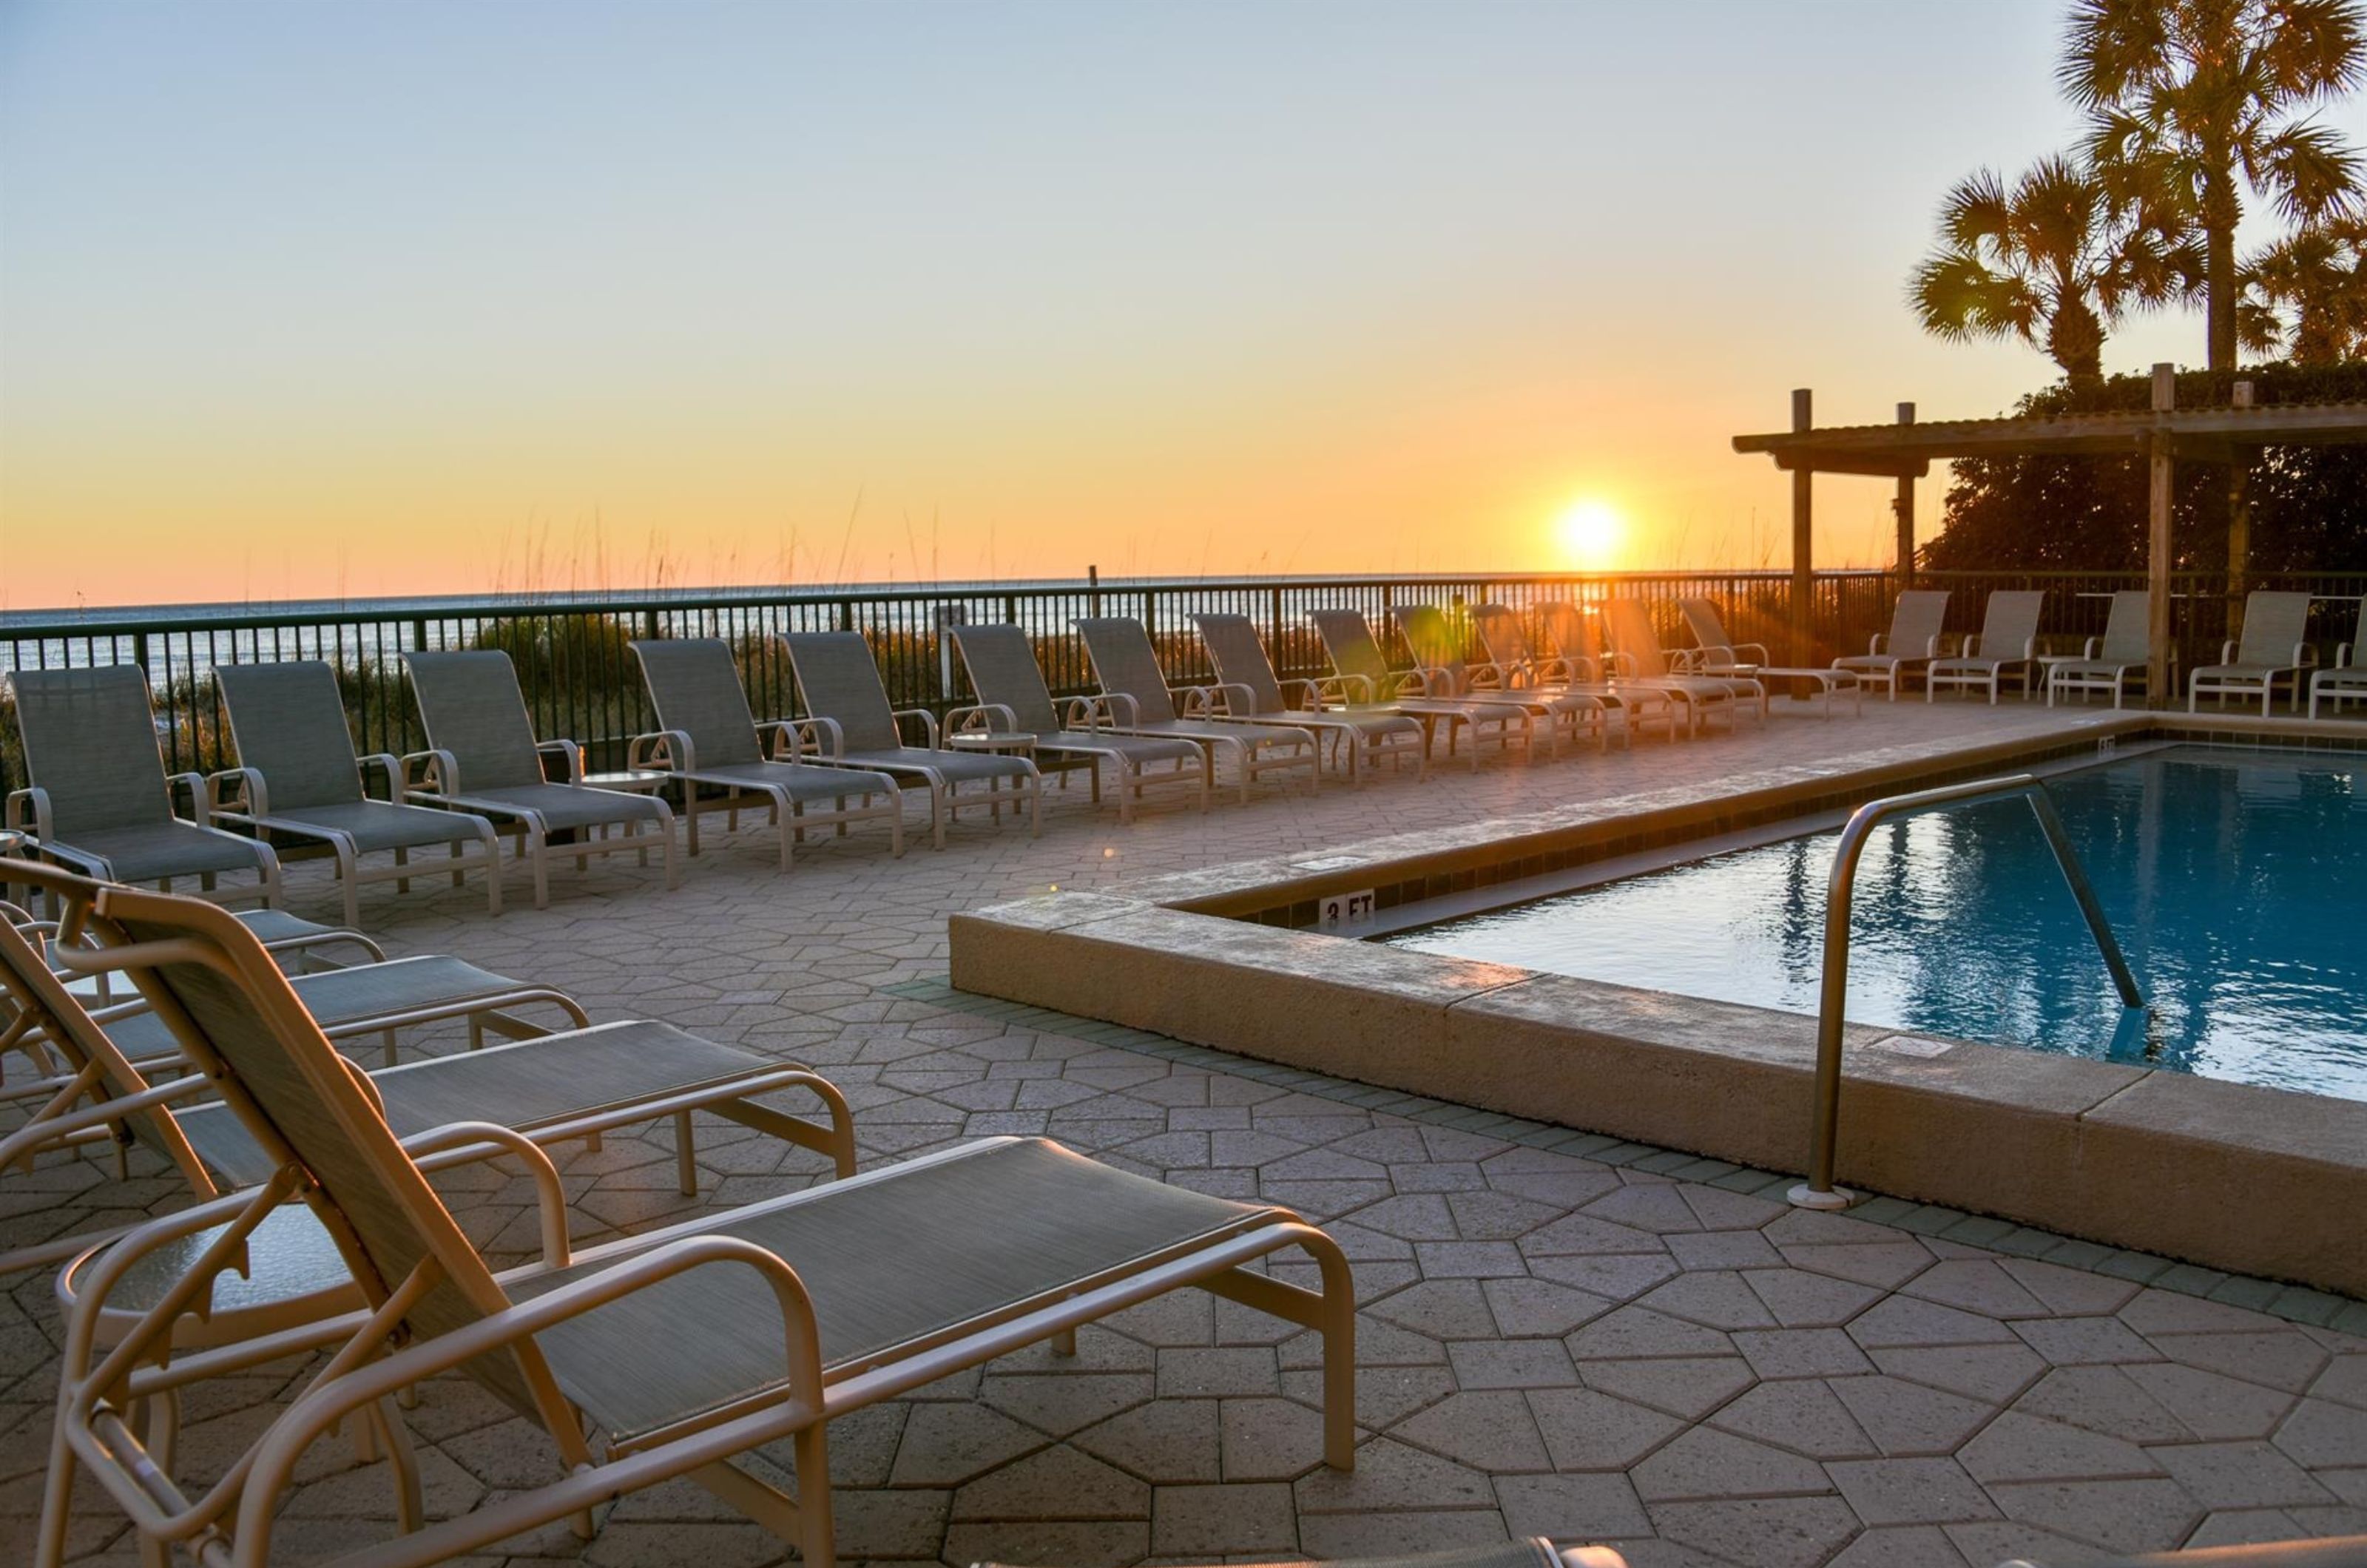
point(1818, 1192)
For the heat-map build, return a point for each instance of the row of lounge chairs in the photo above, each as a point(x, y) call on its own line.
point(99, 800)
point(313, 1230)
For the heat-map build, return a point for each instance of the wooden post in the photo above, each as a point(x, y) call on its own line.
point(1902, 507)
point(1804, 575)
point(2239, 519)
point(2164, 464)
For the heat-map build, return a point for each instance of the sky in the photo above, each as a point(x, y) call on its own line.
point(344, 300)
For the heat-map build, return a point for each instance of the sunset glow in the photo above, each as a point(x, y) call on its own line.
point(1592, 534)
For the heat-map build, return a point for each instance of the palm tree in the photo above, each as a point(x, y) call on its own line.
point(2191, 103)
point(2047, 261)
point(2308, 294)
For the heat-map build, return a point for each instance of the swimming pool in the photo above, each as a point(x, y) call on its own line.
point(2234, 879)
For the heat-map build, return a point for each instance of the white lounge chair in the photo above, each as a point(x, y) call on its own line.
point(2111, 662)
point(1514, 663)
point(1364, 675)
point(2007, 644)
point(1248, 691)
point(2274, 648)
point(1909, 648)
point(1138, 701)
point(1561, 710)
point(679, 1351)
point(2346, 680)
point(1717, 654)
point(1635, 650)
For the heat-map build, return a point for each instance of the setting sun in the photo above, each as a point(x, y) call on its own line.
point(1590, 533)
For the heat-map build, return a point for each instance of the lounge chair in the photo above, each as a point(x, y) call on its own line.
point(1715, 653)
point(1514, 662)
point(1446, 673)
point(2006, 644)
point(1580, 649)
point(1635, 653)
point(681, 1349)
point(1014, 701)
point(98, 798)
point(710, 738)
point(1137, 700)
point(853, 725)
point(482, 757)
point(1910, 645)
point(550, 1087)
point(2109, 663)
point(1364, 674)
point(1248, 691)
point(2275, 647)
point(297, 775)
point(2346, 680)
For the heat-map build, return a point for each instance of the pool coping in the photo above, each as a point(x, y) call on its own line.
point(2251, 1180)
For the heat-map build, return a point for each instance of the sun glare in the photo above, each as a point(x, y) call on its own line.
point(1590, 533)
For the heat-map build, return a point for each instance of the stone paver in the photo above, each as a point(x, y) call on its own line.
point(1560, 1333)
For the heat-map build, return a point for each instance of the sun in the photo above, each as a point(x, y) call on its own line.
point(1590, 533)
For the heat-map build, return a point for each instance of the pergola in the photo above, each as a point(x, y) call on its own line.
point(2164, 433)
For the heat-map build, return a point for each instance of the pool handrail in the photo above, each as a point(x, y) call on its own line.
point(1818, 1192)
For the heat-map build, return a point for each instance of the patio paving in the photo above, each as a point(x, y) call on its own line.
point(1560, 1334)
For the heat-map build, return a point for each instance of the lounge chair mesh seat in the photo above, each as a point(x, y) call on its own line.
point(99, 796)
point(703, 710)
point(999, 1222)
point(297, 762)
point(1003, 671)
point(1126, 665)
point(839, 681)
point(432, 984)
point(477, 725)
point(603, 1067)
point(2273, 649)
point(1253, 692)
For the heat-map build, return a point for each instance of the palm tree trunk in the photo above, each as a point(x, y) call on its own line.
point(2221, 209)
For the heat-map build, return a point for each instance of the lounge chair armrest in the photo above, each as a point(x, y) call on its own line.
point(1089, 712)
point(1121, 708)
point(2227, 651)
point(927, 719)
point(193, 784)
point(823, 736)
point(1299, 696)
point(1430, 681)
point(570, 754)
point(1689, 660)
point(1350, 689)
point(236, 793)
point(777, 739)
point(1489, 676)
point(1873, 644)
point(2305, 656)
point(387, 764)
point(982, 718)
point(1972, 647)
point(28, 810)
point(1757, 651)
point(1226, 698)
point(2093, 647)
point(660, 751)
point(465, 1143)
point(431, 772)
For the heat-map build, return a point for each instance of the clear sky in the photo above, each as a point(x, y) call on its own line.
point(372, 297)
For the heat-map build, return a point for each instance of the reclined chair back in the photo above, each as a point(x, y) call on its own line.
point(1574, 634)
point(471, 705)
point(2010, 623)
point(1500, 632)
point(2127, 638)
point(1125, 663)
point(1628, 624)
point(695, 689)
point(1915, 620)
point(1240, 659)
point(2274, 623)
point(90, 741)
point(1433, 644)
point(838, 680)
point(1003, 668)
point(289, 723)
point(1354, 652)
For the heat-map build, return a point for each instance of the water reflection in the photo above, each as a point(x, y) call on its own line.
point(2233, 884)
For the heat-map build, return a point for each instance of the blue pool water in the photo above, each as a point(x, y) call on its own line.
point(2235, 881)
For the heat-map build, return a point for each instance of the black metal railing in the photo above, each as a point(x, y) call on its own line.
point(579, 683)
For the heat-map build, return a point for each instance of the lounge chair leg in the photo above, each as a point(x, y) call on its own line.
point(1065, 1342)
point(1339, 1328)
point(816, 1538)
point(402, 1459)
point(386, 1041)
point(685, 1160)
point(57, 1502)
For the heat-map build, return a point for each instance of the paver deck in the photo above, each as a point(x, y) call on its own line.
point(1560, 1335)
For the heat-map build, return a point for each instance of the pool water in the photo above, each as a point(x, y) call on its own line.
point(2235, 881)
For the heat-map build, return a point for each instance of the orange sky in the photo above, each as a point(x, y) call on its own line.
point(357, 300)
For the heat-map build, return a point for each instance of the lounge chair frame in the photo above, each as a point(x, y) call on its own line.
point(1907, 648)
point(1014, 701)
point(838, 690)
point(473, 775)
point(2110, 662)
point(1513, 662)
point(1446, 673)
point(433, 1306)
point(1634, 650)
point(1360, 671)
point(1250, 691)
point(242, 795)
point(2274, 649)
point(2344, 681)
point(2006, 644)
point(742, 757)
point(118, 696)
point(1715, 653)
point(1137, 699)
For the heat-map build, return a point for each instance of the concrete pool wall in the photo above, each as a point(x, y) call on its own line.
point(2254, 1180)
